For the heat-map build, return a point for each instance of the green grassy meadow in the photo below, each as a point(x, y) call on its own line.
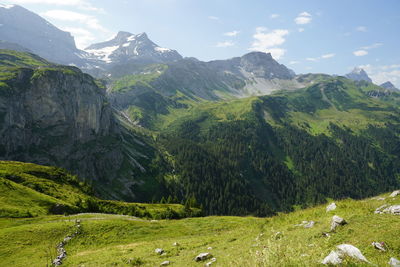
point(115, 240)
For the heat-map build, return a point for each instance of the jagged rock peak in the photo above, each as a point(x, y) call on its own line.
point(388, 85)
point(126, 46)
point(358, 74)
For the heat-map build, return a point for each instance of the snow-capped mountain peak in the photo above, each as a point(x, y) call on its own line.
point(126, 46)
point(358, 74)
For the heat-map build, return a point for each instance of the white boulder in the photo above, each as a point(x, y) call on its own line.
point(344, 250)
point(331, 207)
point(336, 221)
point(394, 262)
point(395, 193)
point(202, 256)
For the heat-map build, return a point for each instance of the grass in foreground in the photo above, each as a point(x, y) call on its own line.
point(113, 240)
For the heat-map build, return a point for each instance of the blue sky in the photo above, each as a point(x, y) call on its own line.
point(329, 36)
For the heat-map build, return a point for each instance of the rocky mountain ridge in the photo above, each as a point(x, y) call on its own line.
point(358, 74)
point(57, 115)
point(125, 47)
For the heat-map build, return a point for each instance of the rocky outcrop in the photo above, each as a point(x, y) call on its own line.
point(29, 30)
point(59, 116)
point(127, 47)
point(389, 86)
point(337, 221)
point(394, 210)
point(345, 250)
point(358, 74)
point(331, 207)
point(203, 256)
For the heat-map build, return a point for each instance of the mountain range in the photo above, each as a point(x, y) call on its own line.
point(240, 136)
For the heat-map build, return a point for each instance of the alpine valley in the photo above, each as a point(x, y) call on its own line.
point(100, 148)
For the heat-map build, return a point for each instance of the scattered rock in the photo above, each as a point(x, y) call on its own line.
point(379, 245)
point(331, 207)
point(203, 256)
point(333, 258)
point(62, 253)
point(310, 224)
point(337, 221)
point(210, 262)
point(395, 210)
point(159, 251)
point(394, 262)
point(175, 244)
point(380, 198)
point(209, 248)
point(336, 257)
point(306, 224)
point(325, 234)
point(165, 263)
point(379, 210)
point(395, 193)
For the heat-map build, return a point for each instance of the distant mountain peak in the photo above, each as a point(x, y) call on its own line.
point(388, 85)
point(126, 46)
point(358, 74)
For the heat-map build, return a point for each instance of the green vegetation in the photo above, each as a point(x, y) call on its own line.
point(30, 190)
point(266, 154)
point(114, 240)
point(144, 78)
point(10, 58)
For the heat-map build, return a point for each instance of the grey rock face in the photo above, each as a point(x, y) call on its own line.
point(12, 46)
point(27, 29)
point(395, 209)
point(358, 74)
point(337, 221)
point(379, 246)
point(395, 193)
point(394, 262)
point(126, 46)
point(388, 85)
point(203, 256)
point(331, 207)
point(60, 117)
point(345, 250)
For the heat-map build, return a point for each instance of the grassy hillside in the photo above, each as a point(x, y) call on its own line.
point(112, 240)
point(264, 154)
point(30, 190)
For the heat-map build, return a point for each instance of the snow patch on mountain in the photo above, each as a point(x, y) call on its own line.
point(103, 53)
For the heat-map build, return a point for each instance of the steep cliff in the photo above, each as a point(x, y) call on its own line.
point(57, 115)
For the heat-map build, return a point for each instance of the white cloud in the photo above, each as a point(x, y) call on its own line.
point(293, 62)
point(232, 33)
point(225, 44)
point(325, 56)
point(65, 15)
point(383, 73)
point(213, 18)
point(83, 37)
point(301, 29)
point(360, 53)
point(361, 29)
point(267, 41)
point(81, 4)
point(375, 45)
point(274, 16)
point(331, 55)
point(312, 59)
point(303, 18)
